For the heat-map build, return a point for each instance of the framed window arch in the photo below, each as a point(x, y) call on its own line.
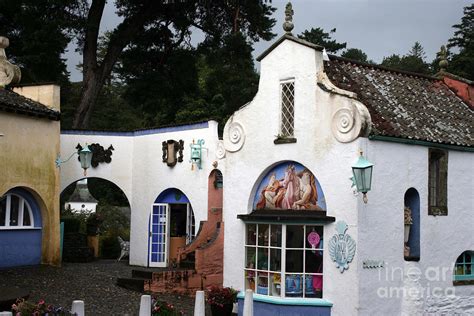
point(464, 269)
point(15, 212)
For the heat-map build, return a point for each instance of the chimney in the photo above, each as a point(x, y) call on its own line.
point(47, 94)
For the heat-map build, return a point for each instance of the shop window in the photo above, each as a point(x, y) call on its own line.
point(438, 182)
point(287, 108)
point(15, 212)
point(412, 225)
point(284, 260)
point(464, 269)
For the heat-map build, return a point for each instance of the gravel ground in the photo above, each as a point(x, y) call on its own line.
point(94, 283)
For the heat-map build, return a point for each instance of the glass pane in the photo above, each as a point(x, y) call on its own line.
point(262, 283)
point(294, 236)
point(14, 207)
point(294, 260)
point(468, 269)
point(294, 285)
point(3, 211)
point(275, 259)
point(263, 231)
point(459, 269)
point(314, 261)
point(467, 257)
point(314, 237)
point(250, 280)
point(460, 259)
point(26, 216)
point(275, 284)
point(275, 236)
point(250, 257)
point(251, 234)
point(262, 258)
point(314, 286)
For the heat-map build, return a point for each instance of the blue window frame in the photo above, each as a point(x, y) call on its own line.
point(464, 267)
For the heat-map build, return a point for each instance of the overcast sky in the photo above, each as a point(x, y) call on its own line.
point(378, 27)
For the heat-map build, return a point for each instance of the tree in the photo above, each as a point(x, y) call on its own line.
point(355, 54)
point(39, 32)
point(319, 37)
point(412, 62)
point(462, 63)
point(171, 23)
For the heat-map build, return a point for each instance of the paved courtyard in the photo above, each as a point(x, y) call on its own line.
point(92, 282)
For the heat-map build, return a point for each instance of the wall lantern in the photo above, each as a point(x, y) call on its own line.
point(362, 175)
point(196, 153)
point(85, 157)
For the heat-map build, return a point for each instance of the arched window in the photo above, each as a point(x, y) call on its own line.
point(464, 268)
point(412, 225)
point(15, 212)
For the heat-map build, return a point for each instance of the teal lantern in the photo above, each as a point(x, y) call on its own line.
point(85, 157)
point(362, 175)
point(196, 153)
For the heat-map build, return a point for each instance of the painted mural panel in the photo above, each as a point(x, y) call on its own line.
point(290, 185)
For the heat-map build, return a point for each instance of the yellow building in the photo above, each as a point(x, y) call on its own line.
point(29, 186)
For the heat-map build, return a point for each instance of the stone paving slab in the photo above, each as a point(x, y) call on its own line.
point(93, 282)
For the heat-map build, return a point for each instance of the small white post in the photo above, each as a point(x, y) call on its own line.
point(5, 313)
point(145, 305)
point(248, 303)
point(199, 306)
point(78, 308)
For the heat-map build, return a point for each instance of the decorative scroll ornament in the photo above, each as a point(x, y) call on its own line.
point(350, 122)
point(171, 149)
point(99, 154)
point(342, 247)
point(220, 150)
point(234, 137)
point(9, 73)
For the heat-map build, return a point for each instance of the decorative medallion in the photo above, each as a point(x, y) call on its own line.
point(171, 149)
point(350, 122)
point(9, 73)
point(99, 154)
point(314, 239)
point(234, 137)
point(220, 150)
point(342, 247)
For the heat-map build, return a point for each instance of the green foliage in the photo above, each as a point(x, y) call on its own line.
point(115, 224)
point(160, 308)
point(462, 63)
point(356, 54)
point(414, 61)
point(319, 37)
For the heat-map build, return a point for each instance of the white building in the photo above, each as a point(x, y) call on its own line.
point(295, 230)
point(81, 200)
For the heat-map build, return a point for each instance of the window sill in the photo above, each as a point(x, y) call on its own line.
point(289, 301)
point(19, 228)
point(463, 282)
point(284, 140)
point(287, 216)
point(412, 258)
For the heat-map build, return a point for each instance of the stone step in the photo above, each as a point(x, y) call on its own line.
point(142, 274)
point(134, 284)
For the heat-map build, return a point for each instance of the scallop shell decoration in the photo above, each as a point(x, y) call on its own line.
point(347, 124)
point(234, 137)
point(220, 150)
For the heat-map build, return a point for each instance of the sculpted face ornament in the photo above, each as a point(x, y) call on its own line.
point(342, 247)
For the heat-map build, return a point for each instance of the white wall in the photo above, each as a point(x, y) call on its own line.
point(138, 170)
point(399, 167)
point(316, 148)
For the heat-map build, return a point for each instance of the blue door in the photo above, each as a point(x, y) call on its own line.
point(158, 250)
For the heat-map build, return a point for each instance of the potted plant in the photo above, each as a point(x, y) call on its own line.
point(23, 307)
point(408, 222)
point(221, 300)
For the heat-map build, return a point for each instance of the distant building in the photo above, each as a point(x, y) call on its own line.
point(81, 200)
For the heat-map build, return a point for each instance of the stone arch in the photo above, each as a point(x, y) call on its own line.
point(314, 201)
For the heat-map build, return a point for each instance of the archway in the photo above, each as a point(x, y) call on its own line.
point(20, 229)
point(95, 212)
point(171, 226)
point(412, 225)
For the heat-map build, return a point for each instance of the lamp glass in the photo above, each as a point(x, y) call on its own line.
point(85, 156)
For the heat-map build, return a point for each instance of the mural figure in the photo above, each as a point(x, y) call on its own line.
point(289, 186)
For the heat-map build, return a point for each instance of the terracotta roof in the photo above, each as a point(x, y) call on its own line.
point(405, 105)
point(15, 103)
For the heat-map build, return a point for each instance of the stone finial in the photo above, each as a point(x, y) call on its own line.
point(443, 58)
point(9, 73)
point(288, 24)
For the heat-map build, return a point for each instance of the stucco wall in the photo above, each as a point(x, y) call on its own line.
point(28, 151)
point(137, 169)
point(316, 148)
point(399, 167)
